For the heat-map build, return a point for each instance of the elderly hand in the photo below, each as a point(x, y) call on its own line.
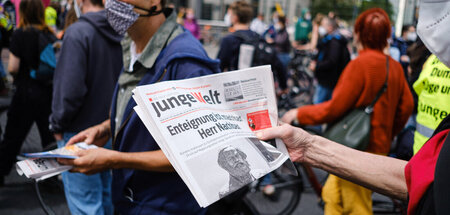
point(92, 161)
point(290, 116)
point(97, 135)
point(297, 140)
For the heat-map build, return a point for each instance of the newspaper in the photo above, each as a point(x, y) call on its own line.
point(43, 165)
point(205, 128)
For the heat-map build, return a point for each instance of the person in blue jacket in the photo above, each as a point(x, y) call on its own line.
point(144, 182)
point(86, 73)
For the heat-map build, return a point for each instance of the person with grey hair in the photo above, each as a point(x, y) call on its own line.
point(234, 161)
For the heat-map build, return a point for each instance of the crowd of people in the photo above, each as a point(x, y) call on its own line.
point(106, 48)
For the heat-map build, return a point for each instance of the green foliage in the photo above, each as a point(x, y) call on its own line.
point(349, 9)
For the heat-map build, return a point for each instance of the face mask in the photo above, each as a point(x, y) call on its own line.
point(121, 16)
point(433, 27)
point(411, 36)
point(275, 20)
point(322, 31)
point(277, 27)
point(227, 19)
point(308, 16)
point(190, 16)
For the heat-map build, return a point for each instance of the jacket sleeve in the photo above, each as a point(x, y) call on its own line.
point(331, 59)
point(404, 109)
point(345, 96)
point(297, 35)
point(225, 53)
point(69, 81)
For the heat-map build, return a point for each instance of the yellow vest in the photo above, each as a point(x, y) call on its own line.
point(433, 90)
point(50, 16)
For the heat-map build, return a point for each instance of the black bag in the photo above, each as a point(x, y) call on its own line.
point(48, 51)
point(263, 53)
point(353, 130)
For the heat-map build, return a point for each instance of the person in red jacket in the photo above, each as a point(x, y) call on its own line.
point(357, 87)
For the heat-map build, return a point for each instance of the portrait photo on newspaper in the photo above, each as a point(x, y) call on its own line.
point(234, 164)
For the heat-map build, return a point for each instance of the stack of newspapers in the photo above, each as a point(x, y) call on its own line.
point(205, 126)
point(43, 165)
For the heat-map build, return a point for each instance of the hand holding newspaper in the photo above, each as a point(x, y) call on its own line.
point(205, 128)
point(43, 165)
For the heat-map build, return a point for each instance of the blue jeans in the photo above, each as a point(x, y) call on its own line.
point(2, 70)
point(87, 194)
point(322, 94)
point(285, 58)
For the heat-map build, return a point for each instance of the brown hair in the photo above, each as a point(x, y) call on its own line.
point(32, 14)
point(71, 18)
point(243, 11)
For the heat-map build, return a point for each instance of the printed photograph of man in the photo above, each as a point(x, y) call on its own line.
point(234, 161)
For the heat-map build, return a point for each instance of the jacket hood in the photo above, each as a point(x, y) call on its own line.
point(304, 11)
point(98, 19)
point(335, 35)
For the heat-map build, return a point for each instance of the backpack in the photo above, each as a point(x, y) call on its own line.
point(255, 51)
point(49, 48)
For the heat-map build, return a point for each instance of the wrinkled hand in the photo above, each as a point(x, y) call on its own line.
point(91, 161)
point(290, 116)
point(97, 135)
point(297, 140)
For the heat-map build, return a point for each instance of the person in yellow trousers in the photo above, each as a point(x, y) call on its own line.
point(433, 90)
point(357, 87)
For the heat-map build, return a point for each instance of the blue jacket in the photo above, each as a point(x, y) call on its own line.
point(86, 73)
point(145, 192)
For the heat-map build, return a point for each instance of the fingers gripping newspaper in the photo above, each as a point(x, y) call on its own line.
point(205, 127)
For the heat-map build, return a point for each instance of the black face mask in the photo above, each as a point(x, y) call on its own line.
point(151, 12)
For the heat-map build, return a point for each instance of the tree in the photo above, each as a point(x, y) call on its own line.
point(347, 9)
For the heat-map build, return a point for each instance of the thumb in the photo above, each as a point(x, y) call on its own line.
point(269, 133)
point(89, 139)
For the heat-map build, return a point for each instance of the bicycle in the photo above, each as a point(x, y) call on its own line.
point(301, 82)
point(262, 197)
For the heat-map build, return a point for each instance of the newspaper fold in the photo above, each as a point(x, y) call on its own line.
point(205, 128)
point(43, 165)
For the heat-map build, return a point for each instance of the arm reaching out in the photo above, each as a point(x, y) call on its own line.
point(97, 135)
point(379, 173)
point(92, 161)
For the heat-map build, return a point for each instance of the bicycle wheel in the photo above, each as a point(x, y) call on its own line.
point(303, 89)
point(284, 199)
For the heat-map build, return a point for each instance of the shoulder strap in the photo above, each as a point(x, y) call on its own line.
point(369, 109)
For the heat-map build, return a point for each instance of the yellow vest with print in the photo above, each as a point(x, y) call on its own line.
point(50, 16)
point(433, 90)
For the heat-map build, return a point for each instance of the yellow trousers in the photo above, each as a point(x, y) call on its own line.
point(344, 197)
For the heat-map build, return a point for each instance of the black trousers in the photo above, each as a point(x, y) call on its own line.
point(30, 103)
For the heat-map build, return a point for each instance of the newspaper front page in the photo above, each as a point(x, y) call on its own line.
point(205, 127)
